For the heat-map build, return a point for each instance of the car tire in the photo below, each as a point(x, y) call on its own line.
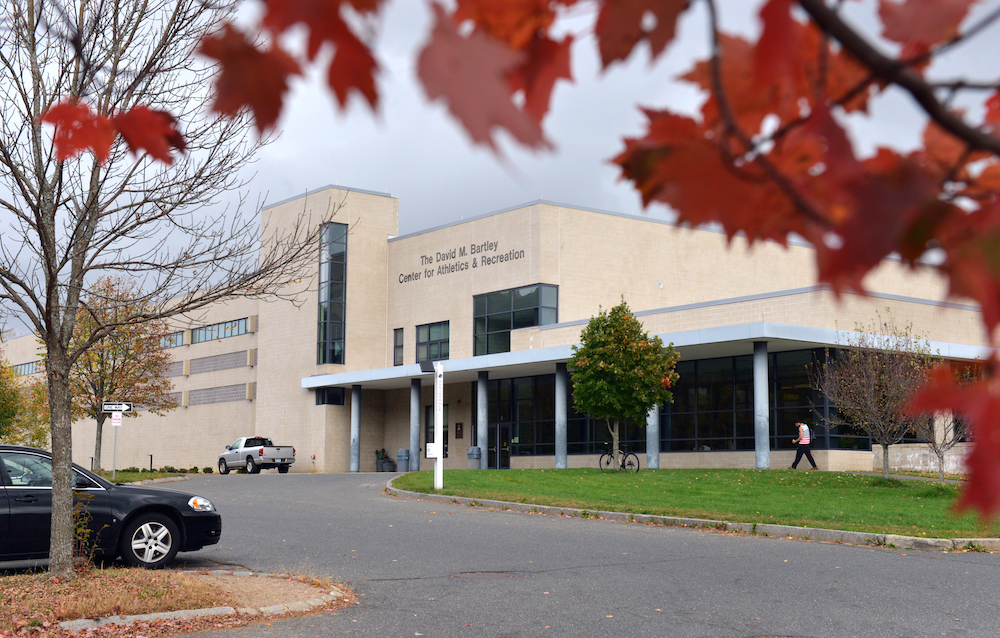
point(283, 469)
point(150, 541)
point(251, 466)
point(223, 468)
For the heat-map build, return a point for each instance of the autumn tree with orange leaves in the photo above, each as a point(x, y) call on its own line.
point(768, 154)
point(127, 364)
point(118, 79)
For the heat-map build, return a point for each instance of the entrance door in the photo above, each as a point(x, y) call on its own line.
point(499, 446)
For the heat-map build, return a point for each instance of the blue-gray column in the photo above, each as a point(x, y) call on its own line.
point(562, 399)
point(355, 428)
point(761, 416)
point(653, 438)
point(483, 418)
point(414, 425)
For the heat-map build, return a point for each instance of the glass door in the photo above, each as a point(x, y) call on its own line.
point(499, 446)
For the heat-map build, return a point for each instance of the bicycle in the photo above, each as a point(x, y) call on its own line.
point(629, 462)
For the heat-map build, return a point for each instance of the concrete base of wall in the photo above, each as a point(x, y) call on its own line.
point(902, 458)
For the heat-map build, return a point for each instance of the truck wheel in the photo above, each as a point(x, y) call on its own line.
point(223, 468)
point(149, 541)
point(251, 466)
point(283, 469)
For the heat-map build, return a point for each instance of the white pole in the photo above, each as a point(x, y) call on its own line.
point(114, 455)
point(439, 424)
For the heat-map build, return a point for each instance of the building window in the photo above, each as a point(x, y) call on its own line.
point(432, 341)
point(397, 347)
point(329, 396)
point(332, 294)
point(24, 369)
point(172, 340)
point(220, 330)
point(497, 313)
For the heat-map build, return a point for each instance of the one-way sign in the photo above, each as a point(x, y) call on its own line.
point(121, 406)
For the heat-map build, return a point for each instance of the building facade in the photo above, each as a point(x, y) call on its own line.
point(499, 300)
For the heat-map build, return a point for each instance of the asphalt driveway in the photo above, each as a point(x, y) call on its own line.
point(423, 568)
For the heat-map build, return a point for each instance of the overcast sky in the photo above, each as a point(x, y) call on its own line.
point(413, 150)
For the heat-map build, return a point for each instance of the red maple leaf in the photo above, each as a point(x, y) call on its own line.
point(516, 22)
point(353, 66)
point(993, 109)
point(547, 61)
point(971, 242)
point(79, 129)
point(249, 77)
point(151, 130)
point(920, 24)
point(471, 75)
point(980, 405)
point(620, 26)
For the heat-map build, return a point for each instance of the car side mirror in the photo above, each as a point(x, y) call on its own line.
point(227, 447)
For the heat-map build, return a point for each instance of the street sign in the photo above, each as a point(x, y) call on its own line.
point(120, 406)
point(116, 419)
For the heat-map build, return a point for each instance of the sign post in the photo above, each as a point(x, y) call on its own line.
point(439, 424)
point(116, 409)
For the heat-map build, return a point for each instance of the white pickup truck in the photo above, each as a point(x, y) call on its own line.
point(255, 453)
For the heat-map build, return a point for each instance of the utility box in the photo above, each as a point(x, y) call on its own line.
point(475, 456)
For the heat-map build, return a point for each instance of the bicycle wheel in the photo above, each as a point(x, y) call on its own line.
point(607, 462)
point(630, 463)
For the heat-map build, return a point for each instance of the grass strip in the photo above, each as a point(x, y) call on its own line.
point(831, 500)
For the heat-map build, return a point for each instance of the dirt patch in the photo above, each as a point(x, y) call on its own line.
point(264, 591)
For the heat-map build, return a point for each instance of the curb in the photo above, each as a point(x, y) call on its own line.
point(83, 624)
point(892, 541)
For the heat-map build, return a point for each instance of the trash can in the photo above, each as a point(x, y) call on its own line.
point(403, 459)
point(475, 454)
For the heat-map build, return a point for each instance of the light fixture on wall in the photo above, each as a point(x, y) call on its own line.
point(659, 284)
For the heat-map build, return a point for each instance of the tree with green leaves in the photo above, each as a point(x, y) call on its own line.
point(619, 372)
point(10, 398)
point(127, 364)
point(871, 380)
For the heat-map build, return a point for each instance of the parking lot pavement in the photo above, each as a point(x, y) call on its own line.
point(423, 568)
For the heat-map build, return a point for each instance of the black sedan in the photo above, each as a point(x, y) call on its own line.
point(145, 526)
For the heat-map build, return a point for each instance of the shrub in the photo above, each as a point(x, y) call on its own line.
point(133, 470)
point(207, 470)
point(170, 469)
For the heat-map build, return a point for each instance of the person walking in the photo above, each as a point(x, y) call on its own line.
point(804, 438)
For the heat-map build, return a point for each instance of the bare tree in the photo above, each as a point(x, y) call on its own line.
point(943, 432)
point(871, 378)
point(68, 223)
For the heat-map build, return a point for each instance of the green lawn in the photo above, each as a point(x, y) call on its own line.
point(812, 499)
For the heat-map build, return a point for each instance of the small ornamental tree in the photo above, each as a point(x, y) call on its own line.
point(31, 426)
point(871, 380)
point(10, 398)
point(128, 364)
point(619, 372)
point(943, 434)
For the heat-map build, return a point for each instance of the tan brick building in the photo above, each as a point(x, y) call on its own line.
point(500, 300)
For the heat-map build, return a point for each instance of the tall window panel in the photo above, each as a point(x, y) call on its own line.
point(397, 347)
point(332, 294)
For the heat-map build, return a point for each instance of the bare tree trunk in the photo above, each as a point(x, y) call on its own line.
point(61, 540)
point(614, 441)
point(940, 455)
point(100, 436)
point(885, 460)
